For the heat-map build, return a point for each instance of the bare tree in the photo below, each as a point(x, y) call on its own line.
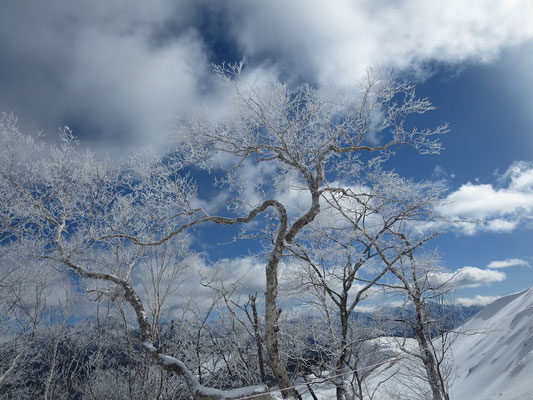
point(96, 220)
point(341, 254)
point(99, 220)
point(313, 141)
point(24, 305)
point(421, 280)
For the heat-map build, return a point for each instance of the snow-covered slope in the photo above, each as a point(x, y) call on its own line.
point(495, 355)
point(493, 358)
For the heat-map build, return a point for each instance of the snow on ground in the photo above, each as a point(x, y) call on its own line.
point(494, 359)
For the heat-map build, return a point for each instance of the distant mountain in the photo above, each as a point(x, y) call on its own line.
point(495, 355)
point(450, 316)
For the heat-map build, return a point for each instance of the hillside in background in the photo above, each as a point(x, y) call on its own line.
point(491, 358)
point(494, 358)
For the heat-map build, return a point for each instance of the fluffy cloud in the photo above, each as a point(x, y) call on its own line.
point(116, 73)
point(336, 42)
point(500, 207)
point(119, 72)
point(476, 301)
point(468, 277)
point(245, 274)
point(510, 262)
point(195, 281)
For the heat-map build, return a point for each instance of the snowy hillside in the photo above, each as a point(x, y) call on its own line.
point(493, 358)
point(497, 361)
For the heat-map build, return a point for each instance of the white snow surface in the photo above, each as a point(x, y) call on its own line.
point(494, 357)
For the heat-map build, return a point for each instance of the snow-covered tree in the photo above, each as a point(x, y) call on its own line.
point(339, 256)
point(284, 153)
point(425, 287)
point(307, 141)
point(98, 221)
point(24, 305)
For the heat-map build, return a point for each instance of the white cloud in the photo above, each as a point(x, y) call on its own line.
point(501, 225)
point(468, 277)
point(497, 208)
point(122, 71)
point(246, 274)
point(336, 42)
point(108, 71)
point(520, 175)
point(476, 301)
point(440, 173)
point(134, 87)
point(240, 276)
point(510, 262)
point(484, 200)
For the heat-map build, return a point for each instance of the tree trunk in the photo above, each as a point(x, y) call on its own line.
point(272, 328)
point(51, 374)
point(258, 340)
point(428, 357)
point(432, 373)
point(340, 391)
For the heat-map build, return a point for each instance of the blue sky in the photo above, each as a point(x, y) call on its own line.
point(119, 72)
point(489, 107)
